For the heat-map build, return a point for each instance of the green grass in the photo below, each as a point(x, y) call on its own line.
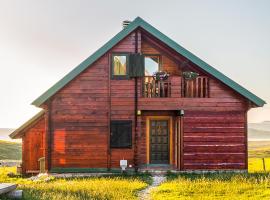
point(255, 185)
point(10, 150)
point(259, 149)
point(214, 186)
point(256, 165)
point(114, 187)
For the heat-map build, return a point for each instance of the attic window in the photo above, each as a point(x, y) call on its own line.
point(119, 66)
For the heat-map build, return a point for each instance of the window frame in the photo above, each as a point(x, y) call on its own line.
point(120, 77)
point(131, 136)
point(159, 63)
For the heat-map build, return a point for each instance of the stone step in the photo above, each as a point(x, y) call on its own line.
point(7, 187)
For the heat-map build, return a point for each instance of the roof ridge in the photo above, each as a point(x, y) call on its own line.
point(139, 22)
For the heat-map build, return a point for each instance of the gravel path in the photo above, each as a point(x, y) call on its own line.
point(157, 180)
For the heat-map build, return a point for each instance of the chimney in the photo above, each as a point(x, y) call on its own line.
point(125, 23)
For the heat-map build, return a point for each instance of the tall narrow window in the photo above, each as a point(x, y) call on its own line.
point(121, 134)
point(119, 66)
point(152, 63)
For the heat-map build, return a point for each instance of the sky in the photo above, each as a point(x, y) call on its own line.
point(41, 41)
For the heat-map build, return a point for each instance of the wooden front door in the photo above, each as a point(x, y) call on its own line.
point(159, 141)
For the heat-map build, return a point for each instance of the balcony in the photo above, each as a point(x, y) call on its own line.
point(175, 86)
point(156, 89)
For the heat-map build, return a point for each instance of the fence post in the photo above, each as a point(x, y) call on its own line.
point(263, 164)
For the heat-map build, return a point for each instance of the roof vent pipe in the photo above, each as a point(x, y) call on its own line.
point(125, 23)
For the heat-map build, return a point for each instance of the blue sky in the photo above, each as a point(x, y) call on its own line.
point(41, 41)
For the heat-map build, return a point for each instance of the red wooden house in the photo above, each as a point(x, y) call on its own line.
point(188, 116)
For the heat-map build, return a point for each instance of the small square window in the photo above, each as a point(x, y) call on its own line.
point(119, 66)
point(121, 134)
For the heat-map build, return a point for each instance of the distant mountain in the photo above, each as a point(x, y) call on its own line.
point(259, 131)
point(256, 132)
point(4, 132)
point(263, 126)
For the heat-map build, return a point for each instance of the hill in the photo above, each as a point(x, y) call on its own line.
point(10, 150)
point(4, 132)
point(259, 131)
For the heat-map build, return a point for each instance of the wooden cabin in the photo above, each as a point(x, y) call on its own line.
point(142, 98)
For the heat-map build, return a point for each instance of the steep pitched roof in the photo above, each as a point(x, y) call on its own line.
point(138, 22)
point(18, 132)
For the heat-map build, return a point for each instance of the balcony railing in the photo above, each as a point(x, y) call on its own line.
point(175, 87)
point(156, 89)
point(196, 88)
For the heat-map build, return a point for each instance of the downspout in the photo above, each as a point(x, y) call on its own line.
point(49, 139)
point(135, 110)
point(109, 116)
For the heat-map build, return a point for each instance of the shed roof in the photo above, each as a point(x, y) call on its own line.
point(18, 132)
point(139, 22)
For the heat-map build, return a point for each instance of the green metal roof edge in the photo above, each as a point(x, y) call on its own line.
point(15, 133)
point(91, 59)
point(203, 65)
point(138, 22)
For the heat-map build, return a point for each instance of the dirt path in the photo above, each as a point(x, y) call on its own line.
point(157, 180)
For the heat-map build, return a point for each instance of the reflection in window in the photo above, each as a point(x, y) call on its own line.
point(151, 65)
point(120, 65)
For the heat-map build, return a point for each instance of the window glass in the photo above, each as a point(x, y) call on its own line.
point(151, 65)
point(119, 65)
point(121, 134)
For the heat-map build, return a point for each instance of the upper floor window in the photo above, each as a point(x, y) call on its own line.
point(119, 66)
point(152, 64)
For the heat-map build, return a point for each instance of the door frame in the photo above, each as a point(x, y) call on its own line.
point(170, 135)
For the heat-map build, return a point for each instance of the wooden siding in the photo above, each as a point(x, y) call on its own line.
point(80, 115)
point(33, 146)
point(167, 64)
point(80, 121)
point(214, 140)
point(122, 102)
point(214, 134)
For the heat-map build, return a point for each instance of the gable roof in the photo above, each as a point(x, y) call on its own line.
point(138, 22)
point(17, 133)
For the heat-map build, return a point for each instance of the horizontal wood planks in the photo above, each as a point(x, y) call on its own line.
point(79, 121)
point(122, 103)
point(80, 115)
point(214, 140)
point(214, 133)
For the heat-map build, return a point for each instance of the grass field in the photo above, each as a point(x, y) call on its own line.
point(257, 151)
point(10, 150)
point(115, 187)
point(214, 187)
point(255, 185)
